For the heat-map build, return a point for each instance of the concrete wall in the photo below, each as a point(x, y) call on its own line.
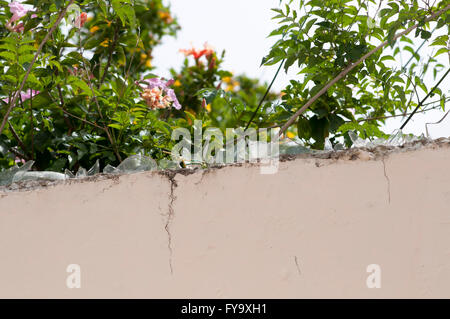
point(311, 230)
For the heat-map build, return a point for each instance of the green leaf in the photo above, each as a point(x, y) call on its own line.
point(25, 58)
point(78, 83)
point(116, 126)
point(119, 10)
point(8, 47)
point(303, 128)
point(335, 122)
point(129, 12)
point(441, 51)
point(319, 131)
point(387, 58)
point(9, 78)
point(425, 35)
point(8, 56)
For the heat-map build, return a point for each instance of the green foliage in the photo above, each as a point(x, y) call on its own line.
point(324, 37)
point(217, 97)
point(84, 99)
point(88, 107)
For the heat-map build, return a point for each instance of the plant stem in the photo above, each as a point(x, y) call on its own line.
point(426, 97)
point(76, 117)
point(396, 115)
point(18, 154)
point(265, 95)
point(16, 136)
point(32, 124)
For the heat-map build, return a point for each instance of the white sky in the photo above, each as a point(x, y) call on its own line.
point(241, 27)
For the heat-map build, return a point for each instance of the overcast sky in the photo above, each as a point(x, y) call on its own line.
point(241, 27)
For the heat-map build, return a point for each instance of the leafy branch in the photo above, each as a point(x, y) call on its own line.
point(355, 64)
point(12, 103)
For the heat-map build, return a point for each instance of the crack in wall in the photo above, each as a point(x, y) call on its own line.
point(297, 265)
point(171, 214)
point(387, 179)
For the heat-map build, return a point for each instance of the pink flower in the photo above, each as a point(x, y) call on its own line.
point(27, 95)
point(24, 95)
point(15, 28)
point(19, 160)
point(155, 99)
point(163, 87)
point(18, 11)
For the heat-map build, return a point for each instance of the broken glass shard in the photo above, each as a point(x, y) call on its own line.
point(7, 176)
point(34, 176)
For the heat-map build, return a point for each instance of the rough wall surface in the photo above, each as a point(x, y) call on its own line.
point(308, 231)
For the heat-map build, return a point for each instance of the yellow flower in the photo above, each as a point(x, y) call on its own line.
point(143, 56)
point(165, 16)
point(105, 43)
point(231, 85)
point(148, 64)
point(109, 23)
point(177, 83)
point(94, 29)
point(290, 135)
point(133, 50)
point(227, 79)
point(208, 107)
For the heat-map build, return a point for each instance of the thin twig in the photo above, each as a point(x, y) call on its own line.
point(15, 152)
point(32, 124)
point(75, 116)
point(16, 136)
point(426, 97)
point(352, 66)
point(396, 115)
point(438, 122)
point(265, 95)
point(47, 36)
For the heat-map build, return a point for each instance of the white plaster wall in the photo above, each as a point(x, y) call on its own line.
point(308, 231)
